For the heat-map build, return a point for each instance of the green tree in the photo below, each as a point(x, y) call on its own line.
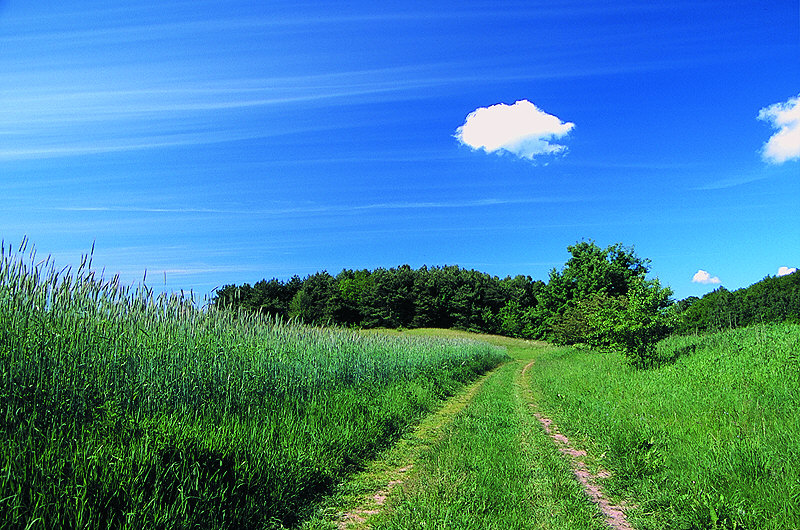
point(512, 319)
point(390, 299)
point(633, 322)
point(272, 297)
point(773, 299)
point(433, 289)
point(582, 323)
point(445, 297)
point(347, 298)
point(311, 303)
point(590, 272)
point(602, 298)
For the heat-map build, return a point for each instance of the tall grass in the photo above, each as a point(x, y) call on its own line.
point(710, 440)
point(123, 408)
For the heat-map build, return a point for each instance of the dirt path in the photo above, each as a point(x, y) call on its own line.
point(371, 505)
point(614, 513)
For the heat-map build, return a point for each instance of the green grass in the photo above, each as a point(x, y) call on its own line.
point(363, 494)
point(493, 468)
point(119, 408)
point(711, 440)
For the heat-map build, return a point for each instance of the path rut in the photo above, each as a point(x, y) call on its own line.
point(614, 514)
point(428, 432)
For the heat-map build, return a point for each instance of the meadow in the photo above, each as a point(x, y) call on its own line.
point(122, 408)
point(710, 439)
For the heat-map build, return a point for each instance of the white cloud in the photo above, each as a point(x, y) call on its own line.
point(702, 276)
point(785, 144)
point(522, 129)
point(783, 271)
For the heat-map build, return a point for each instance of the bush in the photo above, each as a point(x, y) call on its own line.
point(636, 322)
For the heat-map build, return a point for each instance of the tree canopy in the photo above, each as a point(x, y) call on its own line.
point(602, 298)
point(773, 299)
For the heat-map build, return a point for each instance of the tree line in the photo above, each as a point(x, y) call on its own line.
point(444, 297)
point(773, 299)
point(601, 297)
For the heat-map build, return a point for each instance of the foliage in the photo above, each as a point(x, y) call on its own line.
point(601, 298)
point(122, 409)
point(593, 270)
point(440, 297)
point(633, 323)
point(311, 303)
point(590, 272)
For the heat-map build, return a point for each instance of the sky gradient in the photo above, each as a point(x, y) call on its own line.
point(227, 142)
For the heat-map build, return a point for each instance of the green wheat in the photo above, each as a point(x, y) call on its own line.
point(120, 407)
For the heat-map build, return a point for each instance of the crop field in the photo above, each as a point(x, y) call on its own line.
point(124, 409)
point(711, 439)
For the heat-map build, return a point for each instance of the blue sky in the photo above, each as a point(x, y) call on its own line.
point(229, 141)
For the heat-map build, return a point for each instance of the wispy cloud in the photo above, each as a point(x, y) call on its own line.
point(66, 149)
point(73, 101)
point(321, 208)
point(134, 209)
point(464, 204)
point(728, 183)
point(783, 271)
point(321, 17)
point(704, 277)
point(521, 129)
point(784, 145)
point(69, 119)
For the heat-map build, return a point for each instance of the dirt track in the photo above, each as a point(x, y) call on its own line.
point(374, 502)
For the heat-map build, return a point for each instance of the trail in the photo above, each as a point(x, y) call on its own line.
point(493, 469)
point(486, 446)
point(614, 514)
point(371, 504)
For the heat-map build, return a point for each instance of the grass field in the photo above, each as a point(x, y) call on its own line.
point(711, 440)
point(128, 410)
point(493, 468)
point(481, 461)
